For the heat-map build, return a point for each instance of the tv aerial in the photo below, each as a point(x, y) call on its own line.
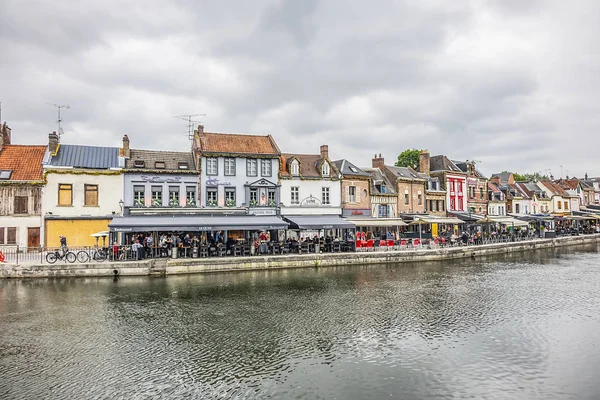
point(59, 129)
point(189, 118)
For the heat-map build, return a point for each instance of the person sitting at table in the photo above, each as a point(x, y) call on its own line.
point(262, 236)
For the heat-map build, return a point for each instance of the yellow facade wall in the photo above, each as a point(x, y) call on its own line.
point(77, 231)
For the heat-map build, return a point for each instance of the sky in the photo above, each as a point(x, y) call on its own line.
point(512, 84)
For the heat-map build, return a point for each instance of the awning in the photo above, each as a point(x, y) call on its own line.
point(194, 223)
point(318, 222)
point(509, 221)
point(378, 222)
point(440, 220)
point(466, 217)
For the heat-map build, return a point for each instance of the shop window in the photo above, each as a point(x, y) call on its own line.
point(251, 167)
point(325, 195)
point(20, 204)
point(11, 235)
point(295, 194)
point(65, 194)
point(212, 166)
point(230, 166)
point(91, 195)
point(266, 168)
point(212, 197)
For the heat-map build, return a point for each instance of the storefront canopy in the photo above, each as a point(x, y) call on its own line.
point(440, 220)
point(195, 223)
point(509, 221)
point(318, 222)
point(378, 222)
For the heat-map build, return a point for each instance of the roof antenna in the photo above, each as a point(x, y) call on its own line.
point(59, 130)
point(191, 122)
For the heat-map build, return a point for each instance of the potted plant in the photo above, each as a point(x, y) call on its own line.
point(230, 203)
point(253, 203)
point(174, 203)
point(191, 202)
point(212, 202)
point(272, 203)
point(156, 203)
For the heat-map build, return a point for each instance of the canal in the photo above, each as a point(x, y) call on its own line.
point(523, 326)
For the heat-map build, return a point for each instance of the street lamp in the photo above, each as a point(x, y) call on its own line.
point(121, 203)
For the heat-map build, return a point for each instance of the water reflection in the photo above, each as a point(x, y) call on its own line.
point(513, 326)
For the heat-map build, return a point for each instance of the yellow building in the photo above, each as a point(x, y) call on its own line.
point(77, 231)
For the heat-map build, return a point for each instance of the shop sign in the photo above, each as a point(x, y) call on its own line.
point(216, 182)
point(310, 201)
point(160, 179)
point(263, 212)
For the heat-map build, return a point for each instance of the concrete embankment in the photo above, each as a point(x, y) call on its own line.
point(201, 265)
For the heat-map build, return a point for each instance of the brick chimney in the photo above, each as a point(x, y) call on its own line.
point(4, 135)
point(586, 176)
point(200, 129)
point(126, 149)
point(378, 161)
point(52, 142)
point(424, 162)
point(324, 151)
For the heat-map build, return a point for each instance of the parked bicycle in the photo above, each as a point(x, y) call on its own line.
point(96, 254)
point(55, 255)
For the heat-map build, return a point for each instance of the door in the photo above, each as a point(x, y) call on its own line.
point(33, 237)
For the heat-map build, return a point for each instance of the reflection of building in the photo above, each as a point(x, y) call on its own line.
point(154, 178)
point(20, 191)
point(238, 171)
point(355, 190)
point(82, 193)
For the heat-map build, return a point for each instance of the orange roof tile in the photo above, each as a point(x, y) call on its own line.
point(25, 162)
point(237, 143)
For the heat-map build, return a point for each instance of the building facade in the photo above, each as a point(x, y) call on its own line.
point(21, 183)
point(356, 187)
point(453, 179)
point(83, 191)
point(477, 196)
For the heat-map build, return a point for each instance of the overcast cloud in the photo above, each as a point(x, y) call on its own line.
point(510, 83)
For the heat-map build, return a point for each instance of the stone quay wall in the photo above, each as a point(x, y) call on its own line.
point(161, 267)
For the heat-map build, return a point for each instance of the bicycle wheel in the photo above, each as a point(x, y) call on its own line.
point(51, 258)
point(100, 255)
point(71, 257)
point(83, 256)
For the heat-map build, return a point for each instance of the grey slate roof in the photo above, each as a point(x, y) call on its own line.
point(72, 155)
point(503, 177)
point(377, 178)
point(170, 158)
point(347, 168)
point(442, 163)
point(463, 167)
point(403, 172)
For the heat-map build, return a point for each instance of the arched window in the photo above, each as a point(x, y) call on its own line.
point(295, 168)
point(325, 169)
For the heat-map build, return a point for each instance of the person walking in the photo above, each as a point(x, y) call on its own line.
point(63, 245)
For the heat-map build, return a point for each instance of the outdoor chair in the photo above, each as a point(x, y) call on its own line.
point(376, 245)
point(369, 244)
point(285, 248)
point(303, 248)
point(246, 250)
point(416, 243)
point(276, 248)
point(203, 251)
point(336, 248)
point(236, 250)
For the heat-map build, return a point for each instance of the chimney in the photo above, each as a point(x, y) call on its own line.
point(126, 150)
point(200, 129)
point(324, 151)
point(52, 143)
point(378, 161)
point(4, 135)
point(424, 164)
point(586, 178)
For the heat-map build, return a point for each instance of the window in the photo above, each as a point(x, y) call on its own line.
point(383, 211)
point(266, 168)
point(139, 164)
point(352, 194)
point(139, 195)
point(382, 190)
point(443, 205)
point(271, 197)
point(295, 168)
point(433, 185)
point(159, 165)
point(472, 192)
point(190, 195)
point(173, 196)
point(11, 235)
point(20, 206)
point(230, 197)
point(517, 208)
point(156, 195)
point(406, 198)
point(5, 174)
point(559, 205)
point(295, 195)
point(452, 204)
point(481, 193)
point(212, 166)
point(183, 165)
point(65, 194)
point(91, 195)
point(253, 197)
point(419, 199)
point(212, 197)
point(566, 205)
point(325, 195)
point(251, 167)
point(325, 169)
point(1, 235)
point(230, 166)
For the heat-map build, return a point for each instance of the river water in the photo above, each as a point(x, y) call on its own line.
point(507, 327)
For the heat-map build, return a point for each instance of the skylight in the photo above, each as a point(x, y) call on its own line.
point(5, 174)
point(353, 169)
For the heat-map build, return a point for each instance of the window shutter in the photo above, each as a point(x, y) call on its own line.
point(357, 194)
point(2, 235)
point(347, 194)
point(11, 236)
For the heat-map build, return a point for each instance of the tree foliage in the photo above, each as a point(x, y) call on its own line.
point(409, 158)
point(536, 176)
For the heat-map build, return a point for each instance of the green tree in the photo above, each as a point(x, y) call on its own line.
point(527, 177)
point(409, 158)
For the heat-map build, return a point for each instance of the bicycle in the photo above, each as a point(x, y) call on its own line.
point(95, 254)
point(53, 256)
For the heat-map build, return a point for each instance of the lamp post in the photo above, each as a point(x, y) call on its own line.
point(121, 203)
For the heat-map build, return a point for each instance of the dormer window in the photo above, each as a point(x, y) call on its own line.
point(295, 168)
point(325, 169)
point(159, 165)
point(183, 165)
point(139, 164)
